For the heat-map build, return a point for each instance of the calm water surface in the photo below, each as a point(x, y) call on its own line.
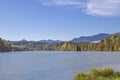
point(46, 65)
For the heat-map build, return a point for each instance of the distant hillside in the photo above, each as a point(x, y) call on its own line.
point(105, 42)
point(35, 46)
point(111, 43)
point(49, 41)
point(93, 38)
point(24, 41)
point(4, 46)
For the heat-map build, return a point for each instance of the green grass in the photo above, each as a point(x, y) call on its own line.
point(98, 74)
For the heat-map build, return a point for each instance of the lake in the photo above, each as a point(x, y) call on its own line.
point(53, 65)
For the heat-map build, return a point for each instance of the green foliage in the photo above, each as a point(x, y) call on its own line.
point(112, 43)
point(99, 74)
point(68, 46)
point(35, 46)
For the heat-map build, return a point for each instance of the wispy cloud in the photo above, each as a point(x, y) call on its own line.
point(62, 2)
point(103, 7)
point(91, 7)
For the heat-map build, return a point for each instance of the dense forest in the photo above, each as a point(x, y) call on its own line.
point(35, 46)
point(5, 46)
point(111, 43)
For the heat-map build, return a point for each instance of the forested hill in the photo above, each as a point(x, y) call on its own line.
point(111, 43)
point(4, 46)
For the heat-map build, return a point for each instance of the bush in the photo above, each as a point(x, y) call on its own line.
point(99, 74)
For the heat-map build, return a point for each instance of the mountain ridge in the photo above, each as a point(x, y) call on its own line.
point(92, 38)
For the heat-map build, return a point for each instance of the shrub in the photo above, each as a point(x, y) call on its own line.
point(99, 74)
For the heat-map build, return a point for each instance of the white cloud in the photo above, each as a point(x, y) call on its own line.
point(104, 7)
point(62, 2)
point(92, 7)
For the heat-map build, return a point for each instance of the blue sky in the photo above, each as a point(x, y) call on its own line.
point(57, 19)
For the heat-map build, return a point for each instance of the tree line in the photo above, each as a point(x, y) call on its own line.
point(111, 43)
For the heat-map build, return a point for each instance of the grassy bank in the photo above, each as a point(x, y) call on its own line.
point(99, 74)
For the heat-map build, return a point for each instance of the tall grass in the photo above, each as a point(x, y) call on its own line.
point(99, 74)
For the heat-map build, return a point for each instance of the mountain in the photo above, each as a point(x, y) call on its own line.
point(49, 41)
point(94, 38)
point(23, 40)
point(24, 45)
point(5, 46)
